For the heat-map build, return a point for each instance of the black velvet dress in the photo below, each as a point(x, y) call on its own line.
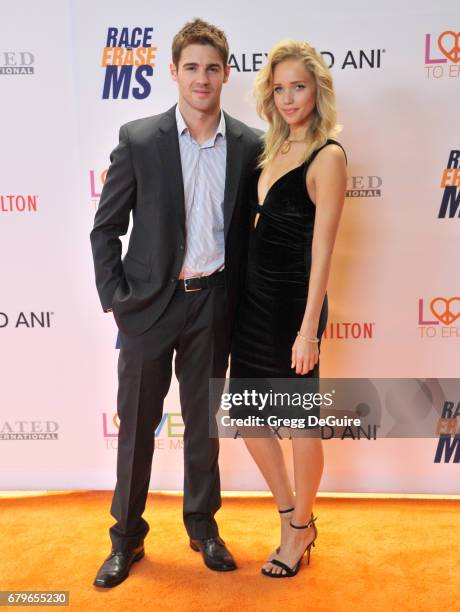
point(276, 287)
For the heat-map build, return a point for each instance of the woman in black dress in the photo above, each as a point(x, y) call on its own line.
point(298, 199)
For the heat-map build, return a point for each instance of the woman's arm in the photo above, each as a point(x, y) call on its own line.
point(329, 180)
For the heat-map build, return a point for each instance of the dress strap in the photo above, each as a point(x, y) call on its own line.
point(328, 142)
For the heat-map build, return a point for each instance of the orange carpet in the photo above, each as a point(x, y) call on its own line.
point(371, 554)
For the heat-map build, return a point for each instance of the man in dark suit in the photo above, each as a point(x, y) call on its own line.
point(183, 175)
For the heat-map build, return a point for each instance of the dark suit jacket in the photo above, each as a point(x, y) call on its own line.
point(145, 178)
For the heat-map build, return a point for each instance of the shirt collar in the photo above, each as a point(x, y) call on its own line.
point(182, 126)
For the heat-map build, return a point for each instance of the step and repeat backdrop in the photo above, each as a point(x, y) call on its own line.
point(67, 83)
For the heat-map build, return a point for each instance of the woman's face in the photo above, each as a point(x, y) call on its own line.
point(294, 91)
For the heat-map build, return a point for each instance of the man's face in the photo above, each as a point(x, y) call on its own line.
point(200, 76)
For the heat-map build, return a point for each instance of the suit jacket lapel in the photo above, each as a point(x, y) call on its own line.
point(168, 143)
point(234, 164)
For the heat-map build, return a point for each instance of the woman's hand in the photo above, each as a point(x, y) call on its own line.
point(305, 355)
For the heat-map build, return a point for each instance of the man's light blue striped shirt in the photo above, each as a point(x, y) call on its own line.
point(203, 172)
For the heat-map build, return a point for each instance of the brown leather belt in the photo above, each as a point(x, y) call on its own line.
point(197, 283)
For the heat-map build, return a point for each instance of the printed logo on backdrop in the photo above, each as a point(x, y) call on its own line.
point(448, 429)
point(16, 63)
point(27, 320)
point(96, 182)
point(29, 430)
point(364, 187)
point(450, 183)
point(442, 55)
point(349, 330)
point(436, 317)
point(128, 63)
point(354, 59)
point(169, 435)
point(14, 203)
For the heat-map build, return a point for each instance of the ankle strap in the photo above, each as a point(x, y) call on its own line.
point(285, 511)
point(309, 524)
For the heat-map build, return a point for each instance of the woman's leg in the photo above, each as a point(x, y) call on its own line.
point(308, 469)
point(268, 455)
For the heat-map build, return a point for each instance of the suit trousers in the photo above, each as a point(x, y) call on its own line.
point(195, 327)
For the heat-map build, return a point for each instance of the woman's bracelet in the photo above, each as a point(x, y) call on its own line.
point(302, 337)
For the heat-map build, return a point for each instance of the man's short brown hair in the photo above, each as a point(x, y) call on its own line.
point(199, 32)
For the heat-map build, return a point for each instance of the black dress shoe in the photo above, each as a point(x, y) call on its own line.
point(215, 554)
point(116, 567)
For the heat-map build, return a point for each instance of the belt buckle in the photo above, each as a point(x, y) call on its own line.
point(187, 289)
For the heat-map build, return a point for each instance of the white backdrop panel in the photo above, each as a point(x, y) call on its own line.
point(58, 376)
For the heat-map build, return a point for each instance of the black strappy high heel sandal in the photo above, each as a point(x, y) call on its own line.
point(277, 550)
point(292, 571)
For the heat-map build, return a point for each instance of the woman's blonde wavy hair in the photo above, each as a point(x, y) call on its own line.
point(322, 124)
